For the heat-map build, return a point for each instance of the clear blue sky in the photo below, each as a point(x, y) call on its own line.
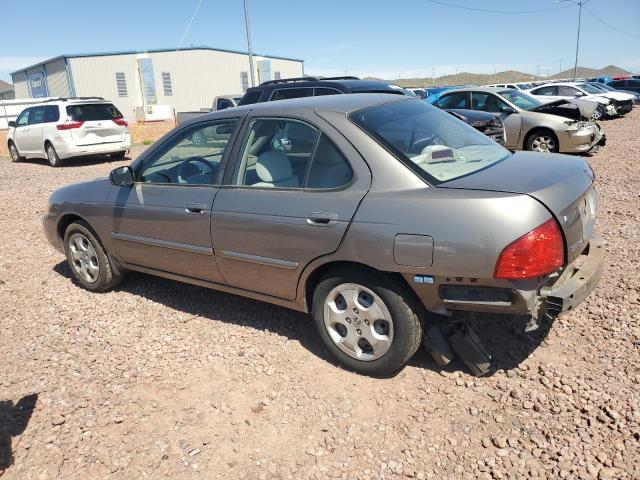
point(362, 37)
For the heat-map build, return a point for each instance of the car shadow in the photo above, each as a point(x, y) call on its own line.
point(78, 161)
point(502, 335)
point(14, 418)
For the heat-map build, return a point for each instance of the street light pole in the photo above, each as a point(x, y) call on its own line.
point(246, 23)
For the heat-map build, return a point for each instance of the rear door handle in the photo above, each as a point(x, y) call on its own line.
point(196, 208)
point(322, 219)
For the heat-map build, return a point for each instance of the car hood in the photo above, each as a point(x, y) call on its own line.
point(560, 182)
point(586, 107)
point(618, 95)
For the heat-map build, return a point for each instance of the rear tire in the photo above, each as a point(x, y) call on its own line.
point(542, 141)
point(88, 260)
point(15, 155)
point(52, 156)
point(598, 114)
point(118, 155)
point(375, 330)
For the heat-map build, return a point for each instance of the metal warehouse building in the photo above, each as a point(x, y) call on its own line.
point(149, 84)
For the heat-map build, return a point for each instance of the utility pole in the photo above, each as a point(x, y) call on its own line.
point(538, 75)
point(246, 24)
point(580, 3)
point(560, 66)
point(433, 77)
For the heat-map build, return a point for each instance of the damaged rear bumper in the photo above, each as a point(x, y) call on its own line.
point(576, 282)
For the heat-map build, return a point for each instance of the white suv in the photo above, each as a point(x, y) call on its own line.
point(64, 128)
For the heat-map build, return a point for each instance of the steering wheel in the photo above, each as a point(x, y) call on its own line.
point(189, 167)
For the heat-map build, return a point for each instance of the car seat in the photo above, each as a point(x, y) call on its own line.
point(274, 170)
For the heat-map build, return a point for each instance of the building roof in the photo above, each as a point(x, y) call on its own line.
point(156, 50)
point(5, 87)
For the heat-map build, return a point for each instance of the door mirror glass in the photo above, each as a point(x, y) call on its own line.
point(12, 124)
point(122, 176)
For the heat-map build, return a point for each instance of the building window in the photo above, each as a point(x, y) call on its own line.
point(277, 76)
point(166, 84)
point(121, 82)
point(244, 78)
point(147, 80)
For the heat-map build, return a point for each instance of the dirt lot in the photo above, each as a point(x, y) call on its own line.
point(163, 380)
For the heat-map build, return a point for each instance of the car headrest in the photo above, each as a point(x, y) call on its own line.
point(273, 166)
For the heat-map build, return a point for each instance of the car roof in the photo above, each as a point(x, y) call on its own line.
point(342, 103)
point(478, 89)
point(348, 83)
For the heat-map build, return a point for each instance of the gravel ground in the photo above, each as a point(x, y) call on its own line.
point(163, 380)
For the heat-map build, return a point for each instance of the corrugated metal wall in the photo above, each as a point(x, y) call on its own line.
point(57, 81)
point(197, 77)
point(21, 85)
point(96, 76)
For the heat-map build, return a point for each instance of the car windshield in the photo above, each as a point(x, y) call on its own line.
point(434, 144)
point(589, 88)
point(602, 87)
point(520, 100)
point(524, 86)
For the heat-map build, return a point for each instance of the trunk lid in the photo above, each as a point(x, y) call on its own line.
point(562, 183)
point(98, 124)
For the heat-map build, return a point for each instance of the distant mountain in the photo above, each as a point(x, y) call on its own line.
point(507, 76)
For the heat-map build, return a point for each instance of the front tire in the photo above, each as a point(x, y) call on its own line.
point(52, 156)
point(118, 155)
point(88, 260)
point(367, 322)
point(15, 155)
point(542, 141)
point(598, 114)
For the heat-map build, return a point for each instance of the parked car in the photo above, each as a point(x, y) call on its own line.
point(486, 123)
point(528, 123)
point(434, 93)
point(514, 86)
point(368, 211)
point(419, 92)
point(69, 127)
point(288, 88)
point(631, 84)
point(607, 88)
point(221, 102)
point(610, 104)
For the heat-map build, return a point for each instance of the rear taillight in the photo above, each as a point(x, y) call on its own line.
point(69, 124)
point(539, 252)
point(120, 121)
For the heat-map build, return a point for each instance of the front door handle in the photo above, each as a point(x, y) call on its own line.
point(322, 219)
point(196, 208)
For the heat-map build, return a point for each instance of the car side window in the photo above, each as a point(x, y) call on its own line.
point(486, 102)
point(285, 93)
point(453, 100)
point(548, 90)
point(566, 91)
point(276, 153)
point(23, 119)
point(191, 158)
point(318, 91)
point(329, 167)
point(51, 113)
point(37, 115)
point(224, 103)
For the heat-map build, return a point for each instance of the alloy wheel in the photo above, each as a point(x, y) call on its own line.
point(358, 322)
point(15, 156)
point(543, 143)
point(84, 257)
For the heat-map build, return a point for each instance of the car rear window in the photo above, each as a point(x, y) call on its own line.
point(93, 111)
point(251, 97)
point(432, 143)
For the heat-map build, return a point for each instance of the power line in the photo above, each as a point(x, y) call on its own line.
point(609, 25)
point(488, 10)
point(184, 35)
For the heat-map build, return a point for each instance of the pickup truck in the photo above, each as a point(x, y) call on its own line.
point(219, 103)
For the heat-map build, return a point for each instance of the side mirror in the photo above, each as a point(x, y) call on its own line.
point(507, 109)
point(121, 176)
point(580, 94)
point(12, 124)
